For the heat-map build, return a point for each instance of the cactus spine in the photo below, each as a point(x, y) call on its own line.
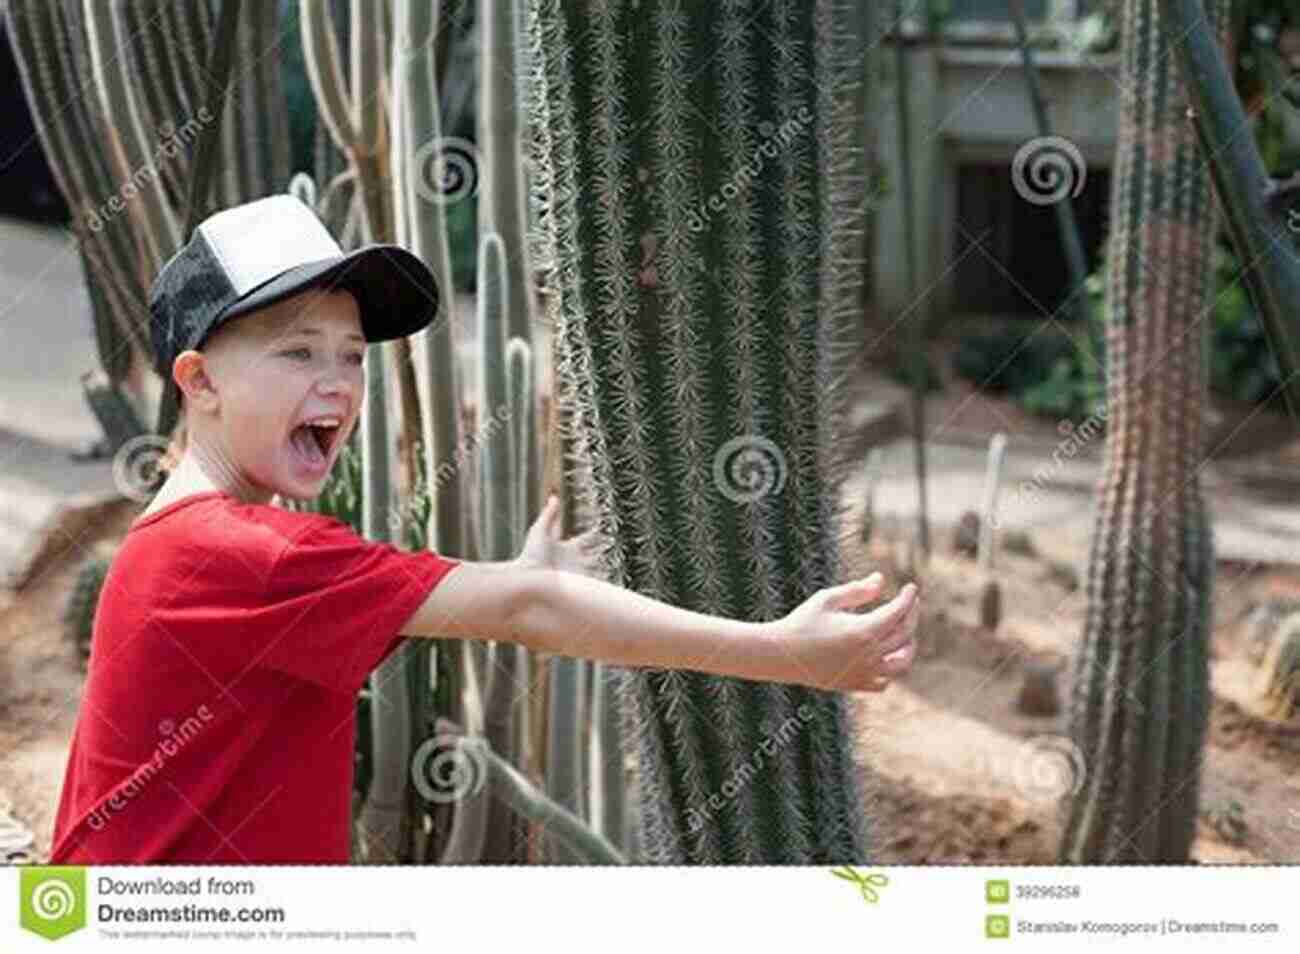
point(708, 303)
point(1141, 679)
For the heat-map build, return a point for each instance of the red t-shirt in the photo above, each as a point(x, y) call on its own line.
point(217, 718)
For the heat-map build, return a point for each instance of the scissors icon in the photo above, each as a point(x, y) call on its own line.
point(867, 884)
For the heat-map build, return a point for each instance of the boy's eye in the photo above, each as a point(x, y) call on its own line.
point(299, 351)
point(359, 358)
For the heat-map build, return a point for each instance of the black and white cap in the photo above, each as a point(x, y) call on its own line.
point(253, 255)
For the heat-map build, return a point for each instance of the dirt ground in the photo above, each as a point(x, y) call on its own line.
point(965, 777)
point(959, 775)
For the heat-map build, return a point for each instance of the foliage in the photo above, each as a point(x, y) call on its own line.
point(1242, 365)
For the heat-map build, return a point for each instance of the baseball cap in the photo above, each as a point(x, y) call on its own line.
point(253, 255)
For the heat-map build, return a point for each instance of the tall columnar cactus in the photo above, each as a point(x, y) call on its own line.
point(1141, 678)
point(122, 156)
point(500, 524)
point(704, 195)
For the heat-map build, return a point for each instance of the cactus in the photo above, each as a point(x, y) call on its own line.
point(120, 155)
point(704, 200)
point(499, 509)
point(79, 611)
point(1277, 688)
point(1140, 703)
point(1258, 211)
point(116, 416)
point(991, 592)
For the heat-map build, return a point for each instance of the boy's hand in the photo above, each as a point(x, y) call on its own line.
point(851, 652)
point(544, 548)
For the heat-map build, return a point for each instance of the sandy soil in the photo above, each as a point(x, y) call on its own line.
point(959, 774)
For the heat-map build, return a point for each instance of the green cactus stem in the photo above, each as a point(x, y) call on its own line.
point(79, 611)
point(1141, 694)
point(706, 196)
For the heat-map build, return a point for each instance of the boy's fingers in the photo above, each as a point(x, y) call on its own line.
point(891, 612)
point(900, 661)
point(854, 592)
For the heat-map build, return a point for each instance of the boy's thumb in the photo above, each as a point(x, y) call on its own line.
point(855, 592)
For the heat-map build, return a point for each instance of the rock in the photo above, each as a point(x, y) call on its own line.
point(1017, 541)
point(1063, 574)
point(1038, 693)
point(991, 605)
point(967, 538)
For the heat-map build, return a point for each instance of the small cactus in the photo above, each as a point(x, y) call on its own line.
point(1278, 685)
point(1038, 693)
point(1262, 624)
point(79, 611)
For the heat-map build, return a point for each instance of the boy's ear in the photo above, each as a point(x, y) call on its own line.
point(192, 378)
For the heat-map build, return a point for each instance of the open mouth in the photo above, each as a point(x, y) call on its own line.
point(314, 440)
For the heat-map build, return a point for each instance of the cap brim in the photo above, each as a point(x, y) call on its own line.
point(395, 291)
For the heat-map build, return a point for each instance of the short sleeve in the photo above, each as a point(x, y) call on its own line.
point(333, 603)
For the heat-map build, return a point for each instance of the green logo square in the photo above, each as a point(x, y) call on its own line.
point(997, 925)
point(997, 892)
point(52, 901)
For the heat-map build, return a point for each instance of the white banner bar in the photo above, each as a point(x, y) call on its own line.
point(233, 908)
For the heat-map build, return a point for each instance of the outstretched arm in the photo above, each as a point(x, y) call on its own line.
point(554, 610)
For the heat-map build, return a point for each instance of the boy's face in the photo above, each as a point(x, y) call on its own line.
point(267, 374)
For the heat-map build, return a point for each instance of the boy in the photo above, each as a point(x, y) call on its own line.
point(232, 635)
